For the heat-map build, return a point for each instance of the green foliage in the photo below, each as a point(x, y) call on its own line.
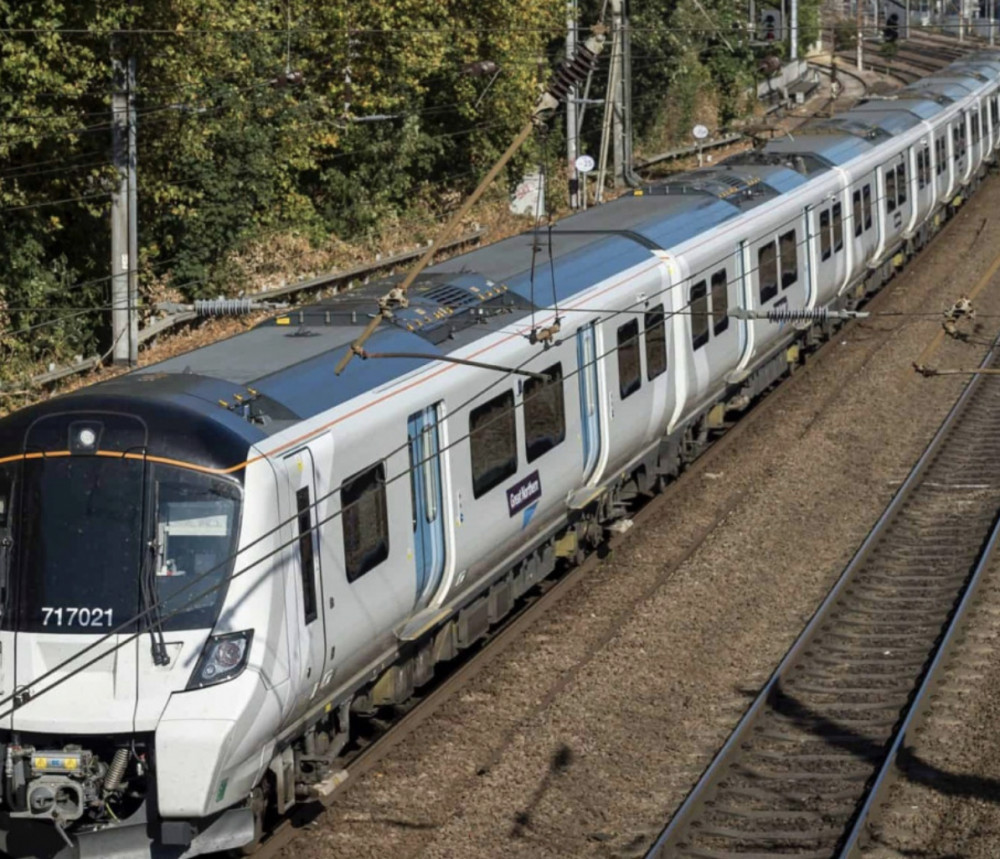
point(384, 121)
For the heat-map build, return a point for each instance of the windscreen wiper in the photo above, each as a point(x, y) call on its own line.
point(151, 605)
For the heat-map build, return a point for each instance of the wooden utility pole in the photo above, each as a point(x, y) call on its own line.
point(124, 221)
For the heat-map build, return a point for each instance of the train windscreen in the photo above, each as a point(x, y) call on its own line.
point(97, 540)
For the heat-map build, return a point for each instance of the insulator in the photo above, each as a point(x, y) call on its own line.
point(224, 306)
point(113, 777)
point(785, 314)
point(573, 72)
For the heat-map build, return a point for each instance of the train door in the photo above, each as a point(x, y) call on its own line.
point(590, 410)
point(423, 430)
point(300, 470)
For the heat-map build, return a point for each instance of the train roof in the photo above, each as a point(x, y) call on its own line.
point(281, 371)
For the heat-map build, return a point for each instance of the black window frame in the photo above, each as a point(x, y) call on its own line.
point(534, 401)
point(719, 289)
point(789, 273)
point(767, 288)
point(859, 223)
point(901, 190)
point(654, 323)
point(351, 491)
point(307, 554)
point(503, 406)
point(628, 347)
point(700, 311)
point(838, 227)
point(825, 235)
point(866, 197)
point(890, 189)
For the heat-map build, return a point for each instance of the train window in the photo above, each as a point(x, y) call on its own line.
point(958, 138)
point(699, 313)
point(789, 259)
point(859, 223)
point(890, 189)
point(767, 272)
point(306, 556)
point(720, 302)
point(866, 194)
point(544, 412)
point(656, 342)
point(366, 521)
point(923, 167)
point(629, 363)
point(900, 184)
point(492, 442)
point(824, 234)
point(941, 151)
point(838, 227)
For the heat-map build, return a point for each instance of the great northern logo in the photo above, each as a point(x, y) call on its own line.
point(525, 493)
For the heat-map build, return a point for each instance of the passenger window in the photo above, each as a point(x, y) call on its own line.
point(767, 272)
point(366, 521)
point(901, 184)
point(493, 443)
point(789, 259)
point(824, 234)
point(838, 227)
point(629, 366)
point(859, 223)
point(867, 196)
point(699, 315)
point(544, 412)
point(720, 302)
point(890, 189)
point(656, 342)
point(306, 555)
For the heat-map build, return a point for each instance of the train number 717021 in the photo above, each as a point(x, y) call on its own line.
point(77, 616)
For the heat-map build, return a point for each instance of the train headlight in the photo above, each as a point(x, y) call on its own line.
point(224, 657)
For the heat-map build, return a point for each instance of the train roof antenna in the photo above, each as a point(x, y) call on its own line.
point(569, 74)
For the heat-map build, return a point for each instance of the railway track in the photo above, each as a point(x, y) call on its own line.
point(823, 738)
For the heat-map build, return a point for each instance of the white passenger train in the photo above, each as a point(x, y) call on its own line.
point(257, 552)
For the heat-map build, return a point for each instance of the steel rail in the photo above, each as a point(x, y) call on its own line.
point(689, 823)
point(870, 812)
